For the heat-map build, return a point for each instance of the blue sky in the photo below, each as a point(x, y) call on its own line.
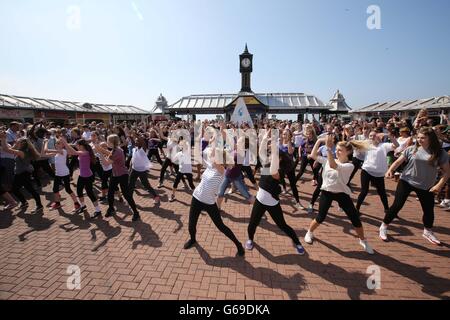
point(128, 54)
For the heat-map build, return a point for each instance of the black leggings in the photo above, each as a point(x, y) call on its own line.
point(357, 165)
point(24, 180)
point(45, 166)
point(344, 201)
point(305, 162)
point(154, 152)
point(213, 211)
point(106, 175)
point(123, 182)
point(143, 176)
point(292, 181)
point(182, 175)
point(426, 199)
point(72, 164)
point(317, 191)
point(249, 173)
point(164, 167)
point(378, 182)
point(87, 184)
point(276, 213)
point(58, 181)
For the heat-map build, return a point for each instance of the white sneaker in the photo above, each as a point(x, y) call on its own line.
point(444, 204)
point(249, 245)
point(310, 209)
point(383, 233)
point(230, 191)
point(366, 246)
point(429, 235)
point(309, 237)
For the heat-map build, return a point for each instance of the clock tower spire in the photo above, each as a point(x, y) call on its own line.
point(246, 68)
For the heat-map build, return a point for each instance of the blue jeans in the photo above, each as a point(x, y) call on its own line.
point(238, 183)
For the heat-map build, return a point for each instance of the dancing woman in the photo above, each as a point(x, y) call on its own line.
point(268, 199)
point(85, 181)
point(116, 158)
point(375, 167)
point(419, 175)
point(204, 199)
point(25, 153)
point(62, 174)
point(336, 174)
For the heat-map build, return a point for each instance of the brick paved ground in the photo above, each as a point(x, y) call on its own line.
point(145, 260)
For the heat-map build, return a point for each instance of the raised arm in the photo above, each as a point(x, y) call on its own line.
point(315, 151)
point(6, 148)
point(70, 149)
point(331, 161)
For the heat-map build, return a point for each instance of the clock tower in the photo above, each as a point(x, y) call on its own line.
point(246, 68)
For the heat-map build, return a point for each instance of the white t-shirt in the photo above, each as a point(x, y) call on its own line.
point(206, 191)
point(266, 198)
point(375, 162)
point(139, 160)
point(402, 144)
point(184, 161)
point(86, 135)
point(298, 139)
point(61, 169)
point(336, 180)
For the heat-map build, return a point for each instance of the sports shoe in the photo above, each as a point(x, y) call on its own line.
point(160, 185)
point(97, 214)
point(55, 205)
point(366, 246)
point(189, 244)
point(110, 212)
point(38, 209)
point(103, 199)
point(429, 235)
point(444, 204)
point(157, 200)
point(310, 209)
point(340, 209)
point(249, 245)
point(299, 206)
point(10, 206)
point(231, 191)
point(171, 198)
point(383, 232)
point(300, 249)
point(80, 209)
point(309, 237)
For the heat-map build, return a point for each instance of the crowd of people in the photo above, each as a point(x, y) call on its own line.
point(113, 158)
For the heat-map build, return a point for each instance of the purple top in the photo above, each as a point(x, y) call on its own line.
point(84, 160)
point(118, 166)
point(234, 172)
point(307, 146)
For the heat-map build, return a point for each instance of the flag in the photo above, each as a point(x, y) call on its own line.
point(241, 114)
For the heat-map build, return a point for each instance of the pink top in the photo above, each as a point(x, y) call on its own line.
point(84, 160)
point(118, 166)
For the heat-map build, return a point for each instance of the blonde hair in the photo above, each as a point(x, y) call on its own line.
point(360, 145)
point(114, 140)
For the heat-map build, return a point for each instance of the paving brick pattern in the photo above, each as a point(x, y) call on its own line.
point(120, 259)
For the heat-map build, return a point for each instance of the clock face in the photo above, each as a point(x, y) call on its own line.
point(246, 62)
